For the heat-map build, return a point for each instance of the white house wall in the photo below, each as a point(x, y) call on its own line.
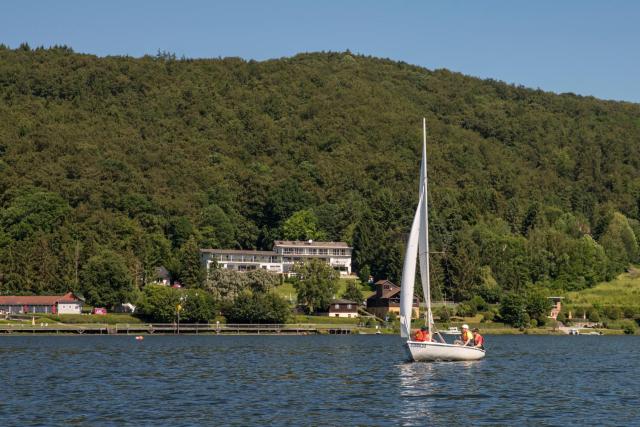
point(69, 308)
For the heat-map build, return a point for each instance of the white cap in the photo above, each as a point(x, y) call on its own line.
point(465, 326)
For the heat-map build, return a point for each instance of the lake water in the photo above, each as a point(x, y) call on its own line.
point(314, 380)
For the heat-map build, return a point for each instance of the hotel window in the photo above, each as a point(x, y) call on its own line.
point(337, 306)
point(348, 305)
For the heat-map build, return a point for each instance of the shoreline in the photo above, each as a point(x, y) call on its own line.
point(325, 330)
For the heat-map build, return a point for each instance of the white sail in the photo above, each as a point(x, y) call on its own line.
point(409, 276)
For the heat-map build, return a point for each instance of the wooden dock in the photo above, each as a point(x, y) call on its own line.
point(182, 328)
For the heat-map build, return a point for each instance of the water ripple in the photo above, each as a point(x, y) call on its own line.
point(314, 380)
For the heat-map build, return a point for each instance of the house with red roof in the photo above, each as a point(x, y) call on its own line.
point(387, 300)
point(54, 304)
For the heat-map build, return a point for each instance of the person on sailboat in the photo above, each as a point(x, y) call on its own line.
point(423, 335)
point(478, 340)
point(466, 337)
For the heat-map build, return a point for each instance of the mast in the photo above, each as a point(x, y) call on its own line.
point(424, 230)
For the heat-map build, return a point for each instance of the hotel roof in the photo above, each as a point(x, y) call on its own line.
point(238, 252)
point(311, 243)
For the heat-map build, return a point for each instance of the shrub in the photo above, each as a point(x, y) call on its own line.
point(444, 314)
point(466, 310)
point(513, 310)
point(526, 319)
point(629, 312)
point(258, 308)
point(613, 312)
point(160, 304)
point(478, 303)
point(629, 327)
point(488, 316)
point(593, 315)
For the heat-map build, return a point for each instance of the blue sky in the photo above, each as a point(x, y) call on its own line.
point(581, 46)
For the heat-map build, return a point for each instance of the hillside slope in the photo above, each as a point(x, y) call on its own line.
point(108, 166)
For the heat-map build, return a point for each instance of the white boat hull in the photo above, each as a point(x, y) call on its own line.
point(435, 351)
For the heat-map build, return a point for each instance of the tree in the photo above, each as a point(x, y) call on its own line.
point(284, 200)
point(465, 266)
point(192, 273)
point(316, 284)
point(353, 292)
point(258, 307)
point(261, 280)
point(619, 242)
point(159, 303)
point(32, 210)
point(153, 250)
point(302, 225)
point(198, 305)
point(179, 231)
point(226, 285)
point(366, 236)
point(105, 279)
point(216, 228)
point(513, 310)
point(538, 306)
point(364, 273)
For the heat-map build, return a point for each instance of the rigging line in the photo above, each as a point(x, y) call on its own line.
point(445, 240)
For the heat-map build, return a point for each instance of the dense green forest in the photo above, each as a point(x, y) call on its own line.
point(112, 166)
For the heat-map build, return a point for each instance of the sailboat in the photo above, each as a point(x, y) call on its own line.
point(418, 244)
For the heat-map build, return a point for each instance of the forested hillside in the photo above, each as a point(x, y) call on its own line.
point(112, 166)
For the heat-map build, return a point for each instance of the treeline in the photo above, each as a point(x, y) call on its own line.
point(110, 167)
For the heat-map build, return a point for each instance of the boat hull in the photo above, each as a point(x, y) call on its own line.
point(435, 351)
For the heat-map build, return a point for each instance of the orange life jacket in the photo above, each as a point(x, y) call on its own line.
point(466, 335)
point(422, 335)
point(478, 340)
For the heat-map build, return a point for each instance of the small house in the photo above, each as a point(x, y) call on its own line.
point(54, 304)
point(343, 308)
point(387, 300)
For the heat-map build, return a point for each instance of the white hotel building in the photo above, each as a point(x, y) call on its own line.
point(282, 258)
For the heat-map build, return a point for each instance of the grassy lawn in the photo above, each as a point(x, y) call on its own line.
point(624, 290)
point(286, 291)
point(110, 319)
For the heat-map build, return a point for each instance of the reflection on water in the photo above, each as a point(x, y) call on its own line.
point(323, 380)
point(425, 386)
